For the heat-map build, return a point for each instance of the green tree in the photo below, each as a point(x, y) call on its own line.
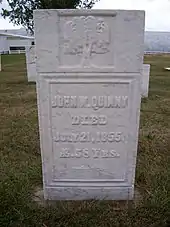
point(21, 11)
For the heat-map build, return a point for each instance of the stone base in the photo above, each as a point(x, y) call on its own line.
point(119, 204)
point(89, 193)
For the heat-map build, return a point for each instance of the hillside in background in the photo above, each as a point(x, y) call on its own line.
point(157, 41)
point(21, 31)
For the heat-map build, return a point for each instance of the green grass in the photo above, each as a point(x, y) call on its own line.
point(20, 161)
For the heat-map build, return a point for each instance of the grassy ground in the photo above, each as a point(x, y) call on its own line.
point(20, 163)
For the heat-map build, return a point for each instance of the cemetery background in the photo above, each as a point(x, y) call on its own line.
point(20, 169)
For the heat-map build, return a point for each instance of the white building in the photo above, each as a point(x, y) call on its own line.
point(14, 41)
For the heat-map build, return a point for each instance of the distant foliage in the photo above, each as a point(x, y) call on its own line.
point(21, 11)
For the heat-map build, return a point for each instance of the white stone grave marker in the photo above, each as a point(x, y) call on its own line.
point(31, 63)
point(88, 86)
point(145, 80)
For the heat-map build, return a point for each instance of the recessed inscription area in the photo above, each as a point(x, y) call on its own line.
point(89, 128)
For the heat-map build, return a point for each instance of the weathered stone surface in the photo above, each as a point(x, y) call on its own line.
point(89, 91)
point(145, 80)
point(31, 63)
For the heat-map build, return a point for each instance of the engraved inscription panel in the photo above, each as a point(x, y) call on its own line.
point(86, 42)
point(90, 130)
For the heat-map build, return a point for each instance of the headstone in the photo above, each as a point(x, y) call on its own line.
point(31, 63)
point(88, 86)
point(145, 80)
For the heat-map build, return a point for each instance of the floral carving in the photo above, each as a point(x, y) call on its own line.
point(86, 36)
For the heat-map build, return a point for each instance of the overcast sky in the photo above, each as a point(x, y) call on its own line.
point(157, 12)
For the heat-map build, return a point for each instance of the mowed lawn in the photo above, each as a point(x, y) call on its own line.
point(20, 160)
